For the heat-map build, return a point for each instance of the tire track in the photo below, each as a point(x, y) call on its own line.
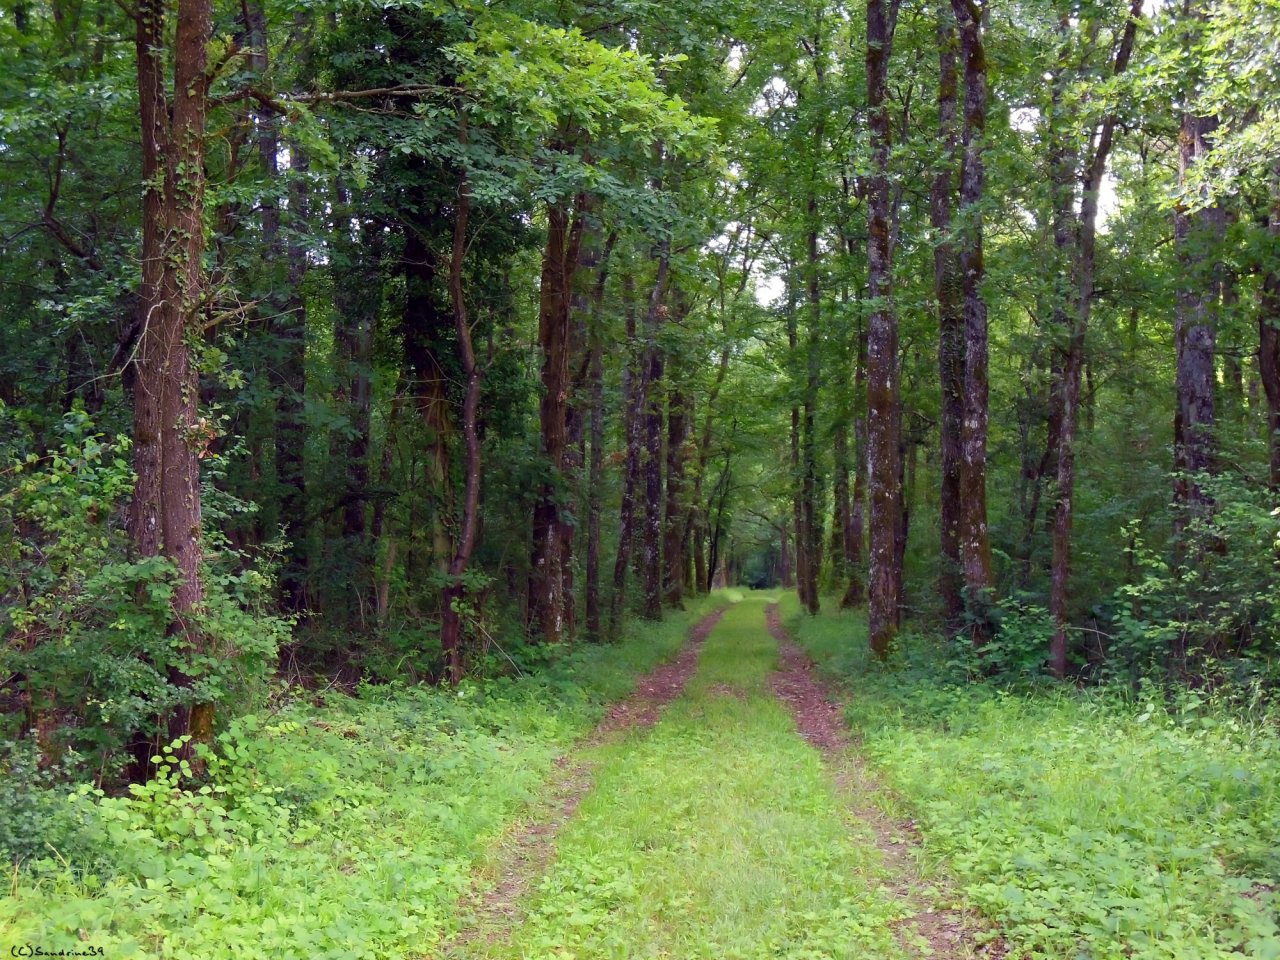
point(941, 934)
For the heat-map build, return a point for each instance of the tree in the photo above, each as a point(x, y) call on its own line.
point(884, 410)
point(170, 436)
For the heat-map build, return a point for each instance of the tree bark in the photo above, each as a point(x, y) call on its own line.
point(841, 518)
point(595, 466)
point(169, 434)
point(1269, 336)
point(455, 590)
point(651, 538)
point(799, 514)
point(1195, 332)
point(975, 544)
point(673, 532)
point(559, 262)
point(951, 332)
point(856, 591)
point(883, 404)
point(633, 417)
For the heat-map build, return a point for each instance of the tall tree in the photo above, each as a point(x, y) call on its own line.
point(1269, 335)
point(1085, 268)
point(455, 591)
point(169, 434)
point(975, 541)
point(1199, 228)
point(884, 408)
point(566, 222)
point(951, 321)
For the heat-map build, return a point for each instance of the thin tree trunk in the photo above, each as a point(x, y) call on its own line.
point(291, 386)
point(798, 512)
point(883, 404)
point(856, 592)
point(1059, 596)
point(1269, 336)
point(975, 544)
point(358, 304)
point(809, 490)
point(951, 334)
point(455, 590)
point(696, 524)
point(633, 404)
point(595, 466)
point(651, 538)
point(673, 533)
point(841, 518)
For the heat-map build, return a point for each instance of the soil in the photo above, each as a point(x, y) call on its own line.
point(658, 688)
point(949, 934)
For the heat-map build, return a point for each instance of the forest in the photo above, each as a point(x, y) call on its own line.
point(611, 478)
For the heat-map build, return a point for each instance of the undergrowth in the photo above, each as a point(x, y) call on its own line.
point(338, 828)
point(1094, 825)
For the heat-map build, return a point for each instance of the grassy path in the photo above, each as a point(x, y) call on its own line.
point(719, 833)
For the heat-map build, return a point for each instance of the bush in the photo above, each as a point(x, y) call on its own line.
point(87, 652)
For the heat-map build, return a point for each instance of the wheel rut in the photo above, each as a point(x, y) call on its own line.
point(939, 933)
point(528, 848)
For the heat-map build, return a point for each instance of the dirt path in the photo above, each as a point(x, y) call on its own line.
point(524, 854)
point(717, 833)
point(940, 933)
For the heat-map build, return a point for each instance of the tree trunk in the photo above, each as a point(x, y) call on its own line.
point(951, 333)
point(358, 304)
point(841, 518)
point(883, 404)
point(1059, 595)
point(975, 545)
point(798, 512)
point(1269, 336)
point(856, 592)
point(290, 389)
point(696, 524)
point(169, 434)
point(455, 590)
point(595, 466)
point(1195, 332)
point(673, 533)
point(633, 405)
point(651, 539)
point(559, 262)
point(809, 490)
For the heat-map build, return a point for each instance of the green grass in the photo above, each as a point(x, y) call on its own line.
point(1093, 825)
point(343, 830)
point(715, 835)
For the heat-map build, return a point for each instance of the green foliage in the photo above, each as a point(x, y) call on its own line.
point(1097, 825)
point(314, 818)
point(1220, 605)
point(88, 648)
point(38, 822)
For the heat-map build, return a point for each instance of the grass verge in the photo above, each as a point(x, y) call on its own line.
point(346, 829)
point(1093, 826)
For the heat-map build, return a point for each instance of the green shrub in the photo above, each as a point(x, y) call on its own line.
point(87, 650)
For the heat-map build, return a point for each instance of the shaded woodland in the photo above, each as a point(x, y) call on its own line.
point(415, 342)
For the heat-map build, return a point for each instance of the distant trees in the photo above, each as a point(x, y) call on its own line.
point(434, 327)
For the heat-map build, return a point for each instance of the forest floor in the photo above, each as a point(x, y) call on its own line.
point(699, 790)
point(720, 812)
